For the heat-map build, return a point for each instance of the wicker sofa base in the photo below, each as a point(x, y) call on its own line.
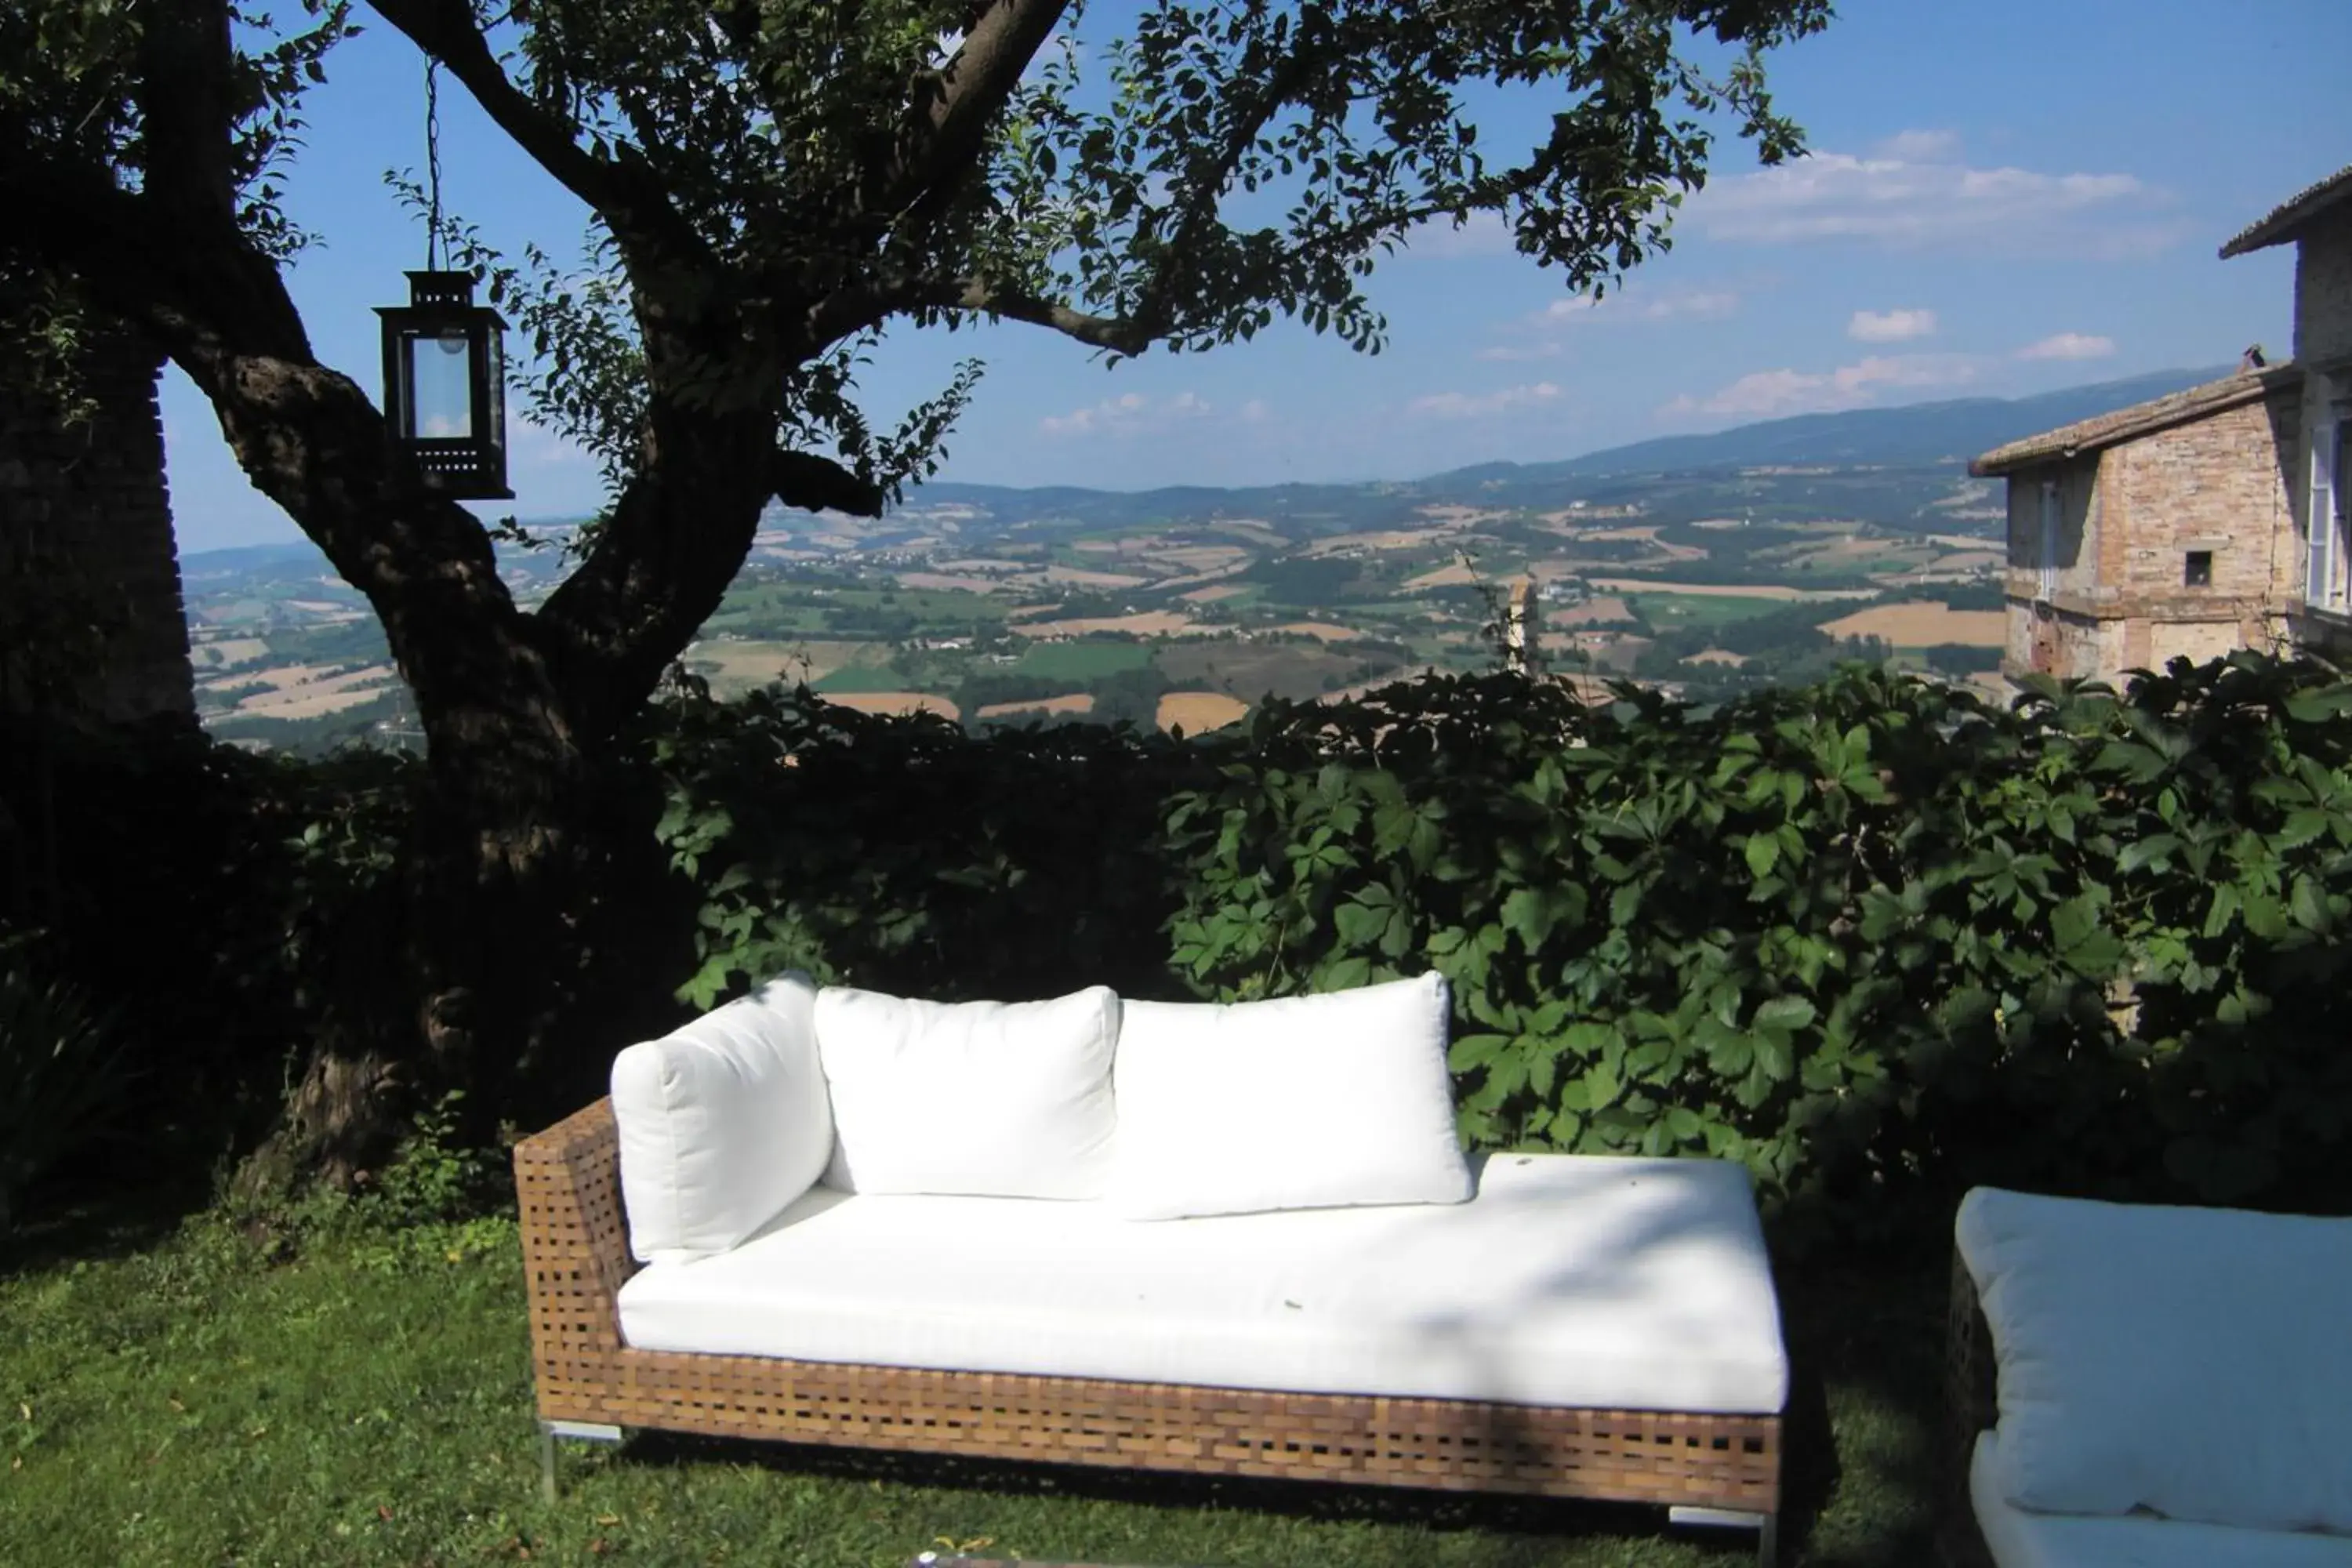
point(576, 1256)
point(1711, 1461)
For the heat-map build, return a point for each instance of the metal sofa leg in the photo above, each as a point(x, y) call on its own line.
point(1766, 1527)
point(549, 1431)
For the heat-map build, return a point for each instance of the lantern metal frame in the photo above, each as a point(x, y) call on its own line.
point(471, 467)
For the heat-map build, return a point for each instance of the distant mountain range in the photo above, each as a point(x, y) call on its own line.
point(1950, 431)
point(1916, 435)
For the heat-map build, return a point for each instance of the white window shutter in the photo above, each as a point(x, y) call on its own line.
point(2051, 516)
point(2319, 564)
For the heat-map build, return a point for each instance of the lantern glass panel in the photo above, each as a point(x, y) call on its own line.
point(440, 386)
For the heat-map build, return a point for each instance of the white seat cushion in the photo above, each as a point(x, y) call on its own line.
point(2018, 1539)
point(721, 1122)
point(1568, 1280)
point(2195, 1362)
point(986, 1099)
point(1301, 1102)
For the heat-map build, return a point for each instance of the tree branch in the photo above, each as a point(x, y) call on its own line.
point(186, 121)
point(1117, 333)
point(207, 294)
point(630, 201)
point(812, 483)
point(951, 110)
point(1199, 208)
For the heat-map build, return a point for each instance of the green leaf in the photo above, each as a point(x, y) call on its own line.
point(2072, 922)
point(2308, 905)
point(1763, 853)
point(1785, 1014)
point(2154, 849)
point(1474, 1051)
point(1527, 911)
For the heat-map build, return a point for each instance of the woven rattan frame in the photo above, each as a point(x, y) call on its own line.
point(1971, 1406)
point(576, 1254)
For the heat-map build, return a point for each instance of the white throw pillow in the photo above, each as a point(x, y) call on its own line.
point(982, 1098)
point(722, 1123)
point(1304, 1102)
point(2194, 1361)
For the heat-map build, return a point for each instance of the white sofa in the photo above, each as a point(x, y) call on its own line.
point(2172, 1386)
point(1259, 1213)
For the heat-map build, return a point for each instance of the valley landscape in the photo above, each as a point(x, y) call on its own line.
point(1700, 564)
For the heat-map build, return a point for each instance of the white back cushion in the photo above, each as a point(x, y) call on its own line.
point(2194, 1361)
point(723, 1122)
point(983, 1099)
point(1303, 1103)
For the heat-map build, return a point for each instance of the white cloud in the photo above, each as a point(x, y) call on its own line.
point(1481, 233)
point(2069, 345)
point(1133, 414)
point(1634, 302)
point(1917, 193)
point(535, 445)
point(1769, 394)
point(1539, 336)
point(1473, 404)
point(1891, 326)
point(1509, 354)
point(1919, 146)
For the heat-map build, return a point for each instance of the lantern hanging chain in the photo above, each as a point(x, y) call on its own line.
point(432, 165)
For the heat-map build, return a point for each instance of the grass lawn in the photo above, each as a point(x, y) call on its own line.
point(195, 1399)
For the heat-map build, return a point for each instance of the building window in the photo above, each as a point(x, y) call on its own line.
point(2197, 569)
point(2048, 587)
point(2329, 530)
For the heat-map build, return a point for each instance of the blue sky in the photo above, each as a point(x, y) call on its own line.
point(2004, 197)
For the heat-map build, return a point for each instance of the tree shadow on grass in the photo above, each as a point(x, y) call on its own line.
point(1863, 1478)
point(98, 1221)
point(1515, 1523)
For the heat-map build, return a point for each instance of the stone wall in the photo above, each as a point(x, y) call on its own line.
point(2216, 485)
point(91, 622)
point(2130, 519)
point(2322, 290)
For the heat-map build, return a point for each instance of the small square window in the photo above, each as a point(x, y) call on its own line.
point(2197, 569)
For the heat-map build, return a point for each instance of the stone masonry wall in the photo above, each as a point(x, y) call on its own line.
point(2130, 516)
point(2322, 290)
point(91, 622)
point(2217, 485)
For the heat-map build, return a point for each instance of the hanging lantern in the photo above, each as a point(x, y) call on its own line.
point(445, 385)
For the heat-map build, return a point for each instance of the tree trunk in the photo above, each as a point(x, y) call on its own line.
point(537, 928)
point(524, 941)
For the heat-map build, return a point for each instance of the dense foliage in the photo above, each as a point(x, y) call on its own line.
point(225, 905)
point(1876, 938)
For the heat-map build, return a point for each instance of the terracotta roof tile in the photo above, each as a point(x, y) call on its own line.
point(2139, 419)
point(2286, 220)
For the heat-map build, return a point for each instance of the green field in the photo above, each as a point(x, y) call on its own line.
point(1079, 661)
point(875, 677)
point(1667, 612)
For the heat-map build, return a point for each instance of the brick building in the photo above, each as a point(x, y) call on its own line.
point(2207, 520)
point(91, 622)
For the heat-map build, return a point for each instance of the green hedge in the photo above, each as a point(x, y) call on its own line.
point(223, 906)
point(1874, 937)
